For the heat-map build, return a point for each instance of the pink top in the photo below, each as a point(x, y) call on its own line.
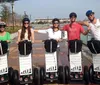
point(73, 31)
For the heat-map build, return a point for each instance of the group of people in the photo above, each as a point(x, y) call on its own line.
point(74, 29)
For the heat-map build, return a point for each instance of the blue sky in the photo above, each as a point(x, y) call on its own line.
point(56, 8)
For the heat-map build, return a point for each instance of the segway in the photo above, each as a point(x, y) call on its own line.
point(94, 70)
point(76, 73)
point(51, 73)
point(26, 73)
point(5, 71)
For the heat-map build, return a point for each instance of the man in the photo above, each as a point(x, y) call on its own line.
point(93, 24)
point(74, 29)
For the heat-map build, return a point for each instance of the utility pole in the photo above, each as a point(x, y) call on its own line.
point(12, 4)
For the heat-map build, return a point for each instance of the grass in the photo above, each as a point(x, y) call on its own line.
point(11, 30)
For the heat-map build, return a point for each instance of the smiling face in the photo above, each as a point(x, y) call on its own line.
point(56, 24)
point(26, 24)
point(91, 17)
point(2, 28)
point(73, 19)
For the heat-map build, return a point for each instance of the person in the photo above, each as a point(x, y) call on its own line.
point(54, 31)
point(4, 36)
point(93, 24)
point(74, 29)
point(26, 33)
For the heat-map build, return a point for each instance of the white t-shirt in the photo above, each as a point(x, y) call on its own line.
point(95, 30)
point(51, 34)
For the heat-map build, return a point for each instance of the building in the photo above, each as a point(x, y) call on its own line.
point(63, 20)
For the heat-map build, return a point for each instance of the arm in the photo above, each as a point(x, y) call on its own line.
point(84, 23)
point(18, 39)
point(32, 36)
point(41, 31)
point(85, 32)
point(8, 38)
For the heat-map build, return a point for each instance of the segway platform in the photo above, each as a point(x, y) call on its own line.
point(51, 66)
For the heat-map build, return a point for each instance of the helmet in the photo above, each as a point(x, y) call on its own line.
point(89, 12)
point(3, 24)
point(72, 14)
point(54, 20)
point(25, 19)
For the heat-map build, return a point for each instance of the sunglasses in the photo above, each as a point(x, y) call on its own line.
point(2, 26)
point(90, 15)
point(26, 23)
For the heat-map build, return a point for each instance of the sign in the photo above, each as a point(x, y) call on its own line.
point(96, 62)
point(3, 64)
point(25, 62)
point(75, 62)
point(51, 62)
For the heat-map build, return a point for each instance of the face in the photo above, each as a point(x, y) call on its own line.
point(56, 24)
point(91, 17)
point(2, 28)
point(26, 24)
point(73, 19)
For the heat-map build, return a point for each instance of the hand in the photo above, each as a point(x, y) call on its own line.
point(89, 28)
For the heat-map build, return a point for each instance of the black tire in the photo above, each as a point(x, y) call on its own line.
point(16, 77)
point(67, 74)
point(10, 74)
point(42, 75)
point(86, 75)
point(36, 79)
point(61, 78)
point(91, 73)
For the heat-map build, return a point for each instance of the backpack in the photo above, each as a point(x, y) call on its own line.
point(94, 46)
point(50, 45)
point(75, 46)
point(3, 47)
point(25, 47)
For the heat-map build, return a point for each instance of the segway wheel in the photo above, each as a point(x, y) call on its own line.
point(67, 74)
point(10, 74)
point(86, 75)
point(16, 77)
point(91, 73)
point(61, 79)
point(36, 79)
point(42, 75)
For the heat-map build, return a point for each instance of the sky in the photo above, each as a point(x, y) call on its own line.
point(56, 8)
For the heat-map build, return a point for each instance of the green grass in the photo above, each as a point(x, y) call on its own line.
point(11, 30)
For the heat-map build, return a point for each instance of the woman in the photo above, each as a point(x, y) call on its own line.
point(53, 32)
point(26, 33)
point(4, 36)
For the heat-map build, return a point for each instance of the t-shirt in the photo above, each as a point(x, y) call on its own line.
point(73, 31)
point(5, 37)
point(95, 29)
point(51, 34)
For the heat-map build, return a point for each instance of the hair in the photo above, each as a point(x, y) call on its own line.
point(23, 32)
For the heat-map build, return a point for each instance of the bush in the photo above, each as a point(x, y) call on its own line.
point(11, 30)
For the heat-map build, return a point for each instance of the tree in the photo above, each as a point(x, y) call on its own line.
point(5, 13)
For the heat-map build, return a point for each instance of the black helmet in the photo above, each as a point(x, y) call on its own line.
point(54, 20)
point(73, 14)
point(25, 19)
